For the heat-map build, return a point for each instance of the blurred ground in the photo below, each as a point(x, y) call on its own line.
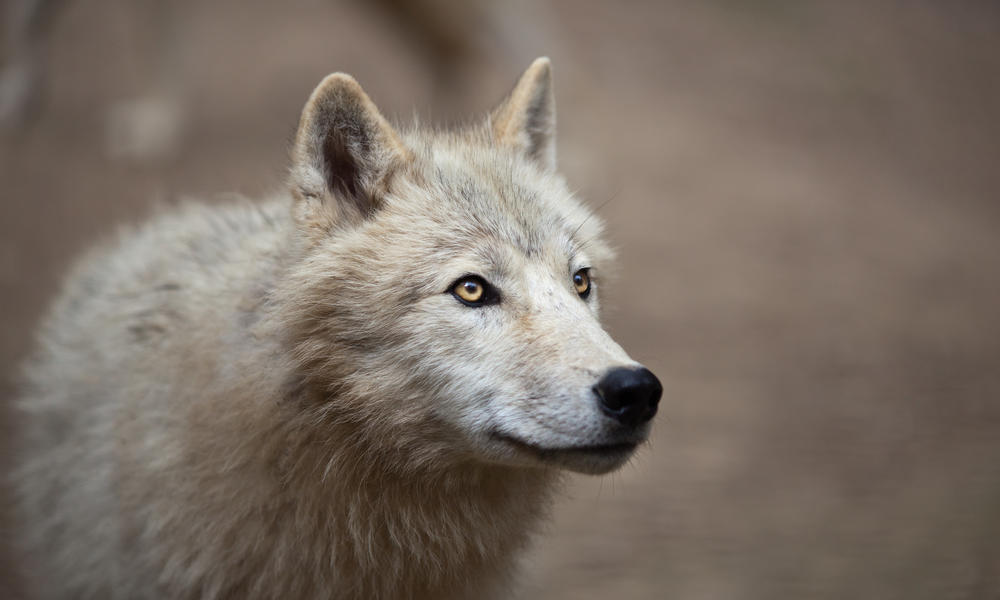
point(807, 201)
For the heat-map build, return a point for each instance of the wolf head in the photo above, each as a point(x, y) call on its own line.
point(447, 295)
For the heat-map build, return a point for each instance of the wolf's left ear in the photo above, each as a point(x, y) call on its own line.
point(526, 119)
point(344, 153)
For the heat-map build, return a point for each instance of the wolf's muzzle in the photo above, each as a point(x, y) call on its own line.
point(629, 395)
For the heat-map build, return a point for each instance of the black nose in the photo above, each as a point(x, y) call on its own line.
point(629, 395)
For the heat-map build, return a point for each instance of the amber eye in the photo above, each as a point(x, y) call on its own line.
point(472, 290)
point(469, 290)
point(581, 281)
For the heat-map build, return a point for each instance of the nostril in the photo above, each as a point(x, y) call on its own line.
point(629, 395)
point(608, 397)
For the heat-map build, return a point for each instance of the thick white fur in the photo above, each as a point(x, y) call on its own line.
point(283, 400)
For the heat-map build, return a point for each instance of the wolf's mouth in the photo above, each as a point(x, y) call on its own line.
point(616, 450)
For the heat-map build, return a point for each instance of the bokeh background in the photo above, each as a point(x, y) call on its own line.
point(806, 198)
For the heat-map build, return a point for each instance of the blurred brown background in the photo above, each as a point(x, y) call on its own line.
point(807, 201)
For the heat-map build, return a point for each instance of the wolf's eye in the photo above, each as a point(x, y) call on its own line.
point(581, 281)
point(472, 290)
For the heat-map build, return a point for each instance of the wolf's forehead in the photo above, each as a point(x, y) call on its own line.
point(506, 202)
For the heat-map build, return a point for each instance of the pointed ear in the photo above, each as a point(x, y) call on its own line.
point(343, 155)
point(526, 120)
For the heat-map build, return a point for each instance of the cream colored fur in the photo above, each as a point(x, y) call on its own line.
point(283, 400)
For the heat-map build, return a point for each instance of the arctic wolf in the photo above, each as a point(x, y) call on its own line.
point(365, 388)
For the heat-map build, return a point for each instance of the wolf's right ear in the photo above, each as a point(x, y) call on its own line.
point(344, 153)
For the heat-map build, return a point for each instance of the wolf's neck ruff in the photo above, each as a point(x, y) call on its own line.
point(396, 519)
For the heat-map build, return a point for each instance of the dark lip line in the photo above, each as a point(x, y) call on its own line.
point(595, 449)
